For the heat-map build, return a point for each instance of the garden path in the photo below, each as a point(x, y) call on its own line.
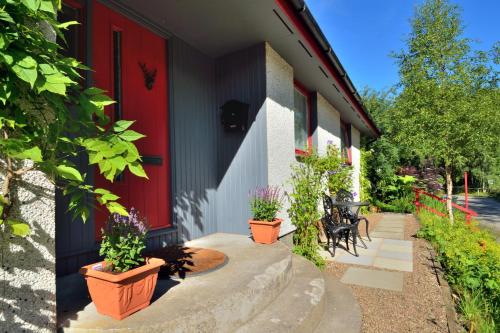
point(387, 250)
point(394, 279)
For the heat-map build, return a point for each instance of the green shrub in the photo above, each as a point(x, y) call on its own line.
point(307, 189)
point(364, 182)
point(332, 166)
point(471, 260)
point(265, 203)
point(123, 240)
point(477, 312)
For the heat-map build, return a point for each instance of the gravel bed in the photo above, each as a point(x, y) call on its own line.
point(419, 308)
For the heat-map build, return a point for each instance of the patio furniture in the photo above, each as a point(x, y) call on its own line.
point(345, 203)
point(334, 228)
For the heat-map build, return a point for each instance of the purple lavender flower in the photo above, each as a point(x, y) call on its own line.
point(265, 202)
point(132, 224)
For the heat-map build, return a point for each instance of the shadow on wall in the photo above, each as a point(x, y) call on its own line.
point(241, 155)
point(189, 207)
point(27, 286)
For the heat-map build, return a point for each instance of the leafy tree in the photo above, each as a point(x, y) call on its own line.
point(447, 109)
point(46, 118)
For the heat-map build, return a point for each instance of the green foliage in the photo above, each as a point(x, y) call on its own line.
point(265, 203)
point(448, 106)
point(471, 260)
point(397, 195)
point(46, 117)
point(477, 312)
point(13, 227)
point(307, 189)
point(332, 166)
point(364, 181)
point(381, 159)
point(123, 240)
point(312, 178)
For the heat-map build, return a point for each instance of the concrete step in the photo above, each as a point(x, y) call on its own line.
point(342, 311)
point(220, 301)
point(299, 308)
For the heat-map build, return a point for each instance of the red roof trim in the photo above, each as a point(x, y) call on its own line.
point(287, 8)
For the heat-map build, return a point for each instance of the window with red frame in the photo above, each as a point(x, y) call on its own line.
point(345, 141)
point(302, 114)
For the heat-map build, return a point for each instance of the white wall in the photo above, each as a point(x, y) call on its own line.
point(280, 126)
point(328, 130)
point(27, 265)
point(356, 160)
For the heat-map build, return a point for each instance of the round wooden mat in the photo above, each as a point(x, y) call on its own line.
point(184, 261)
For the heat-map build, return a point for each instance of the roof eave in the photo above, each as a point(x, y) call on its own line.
point(303, 13)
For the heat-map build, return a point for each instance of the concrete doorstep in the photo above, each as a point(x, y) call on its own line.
point(262, 288)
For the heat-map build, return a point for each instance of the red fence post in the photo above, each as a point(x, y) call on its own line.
point(417, 202)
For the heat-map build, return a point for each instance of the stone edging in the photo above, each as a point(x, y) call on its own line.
point(451, 315)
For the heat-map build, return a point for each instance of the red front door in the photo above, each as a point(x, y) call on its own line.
point(130, 63)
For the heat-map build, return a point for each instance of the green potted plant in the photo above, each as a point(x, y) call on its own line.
point(265, 203)
point(125, 281)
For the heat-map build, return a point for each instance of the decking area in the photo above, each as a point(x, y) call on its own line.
point(260, 288)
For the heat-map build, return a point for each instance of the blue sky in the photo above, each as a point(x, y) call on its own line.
point(364, 32)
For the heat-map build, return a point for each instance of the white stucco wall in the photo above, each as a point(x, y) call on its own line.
point(27, 265)
point(328, 130)
point(356, 160)
point(280, 126)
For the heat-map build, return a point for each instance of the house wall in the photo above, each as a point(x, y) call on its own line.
point(328, 129)
point(242, 158)
point(356, 160)
point(27, 265)
point(194, 142)
point(280, 126)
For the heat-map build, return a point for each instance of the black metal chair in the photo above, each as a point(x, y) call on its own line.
point(347, 213)
point(335, 229)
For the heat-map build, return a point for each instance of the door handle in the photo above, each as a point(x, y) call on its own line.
point(152, 160)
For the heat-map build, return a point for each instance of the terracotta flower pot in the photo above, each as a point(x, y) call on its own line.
point(265, 232)
point(118, 295)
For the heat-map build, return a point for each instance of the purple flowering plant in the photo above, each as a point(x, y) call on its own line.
point(123, 240)
point(265, 203)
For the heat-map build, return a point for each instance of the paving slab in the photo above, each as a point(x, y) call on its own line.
point(361, 260)
point(391, 223)
point(364, 252)
point(373, 278)
point(395, 255)
point(398, 242)
point(393, 264)
point(396, 248)
point(389, 229)
point(388, 235)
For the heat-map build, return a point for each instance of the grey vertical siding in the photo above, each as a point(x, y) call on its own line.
point(242, 157)
point(194, 141)
point(212, 170)
point(75, 241)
